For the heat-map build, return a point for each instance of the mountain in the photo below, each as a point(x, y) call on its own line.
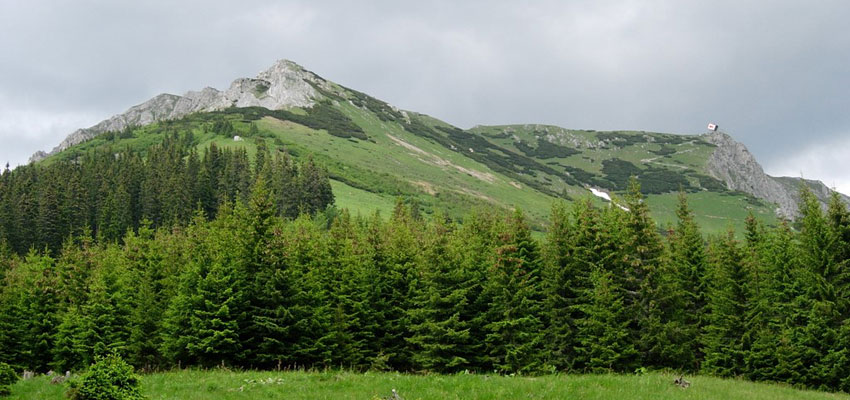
point(284, 85)
point(376, 152)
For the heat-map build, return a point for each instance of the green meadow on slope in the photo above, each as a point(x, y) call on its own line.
point(227, 385)
point(444, 168)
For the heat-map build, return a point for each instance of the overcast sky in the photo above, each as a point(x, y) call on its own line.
point(773, 74)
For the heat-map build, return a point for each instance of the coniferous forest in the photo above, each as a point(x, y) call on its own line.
point(179, 259)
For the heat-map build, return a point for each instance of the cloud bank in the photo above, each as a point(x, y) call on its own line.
point(773, 74)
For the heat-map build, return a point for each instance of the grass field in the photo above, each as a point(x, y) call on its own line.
point(226, 385)
point(359, 201)
point(715, 212)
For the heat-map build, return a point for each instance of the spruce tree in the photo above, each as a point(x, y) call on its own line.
point(394, 251)
point(649, 284)
point(782, 358)
point(28, 313)
point(577, 247)
point(441, 309)
point(273, 282)
point(101, 324)
point(839, 357)
point(602, 336)
point(150, 271)
point(515, 340)
point(50, 222)
point(560, 296)
point(314, 187)
point(12, 332)
point(115, 215)
point(728, 306)
point(205, 318)
point(819, 249)
point(760, 336)
point(75, 208)
point(348, 288)
point(689, 262)
point(304, 253)
point(479, 236)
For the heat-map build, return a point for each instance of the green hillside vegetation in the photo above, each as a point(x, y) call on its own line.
point(366, 144)
point(354, 236)
point(258, 287)
point(229, 385)
point(109, 189)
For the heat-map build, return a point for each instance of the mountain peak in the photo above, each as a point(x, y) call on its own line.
point(285, 84)
point(286, 63)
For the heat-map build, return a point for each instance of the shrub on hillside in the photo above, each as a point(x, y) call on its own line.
point(8, 377)
point(109, 378)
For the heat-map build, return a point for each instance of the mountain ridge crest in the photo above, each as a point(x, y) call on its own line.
point(286, 84)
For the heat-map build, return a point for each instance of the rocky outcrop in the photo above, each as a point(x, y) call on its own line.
point(155, 109)
point(38, 156)
point(284, 85)
point(733, 164)
point(818, 188)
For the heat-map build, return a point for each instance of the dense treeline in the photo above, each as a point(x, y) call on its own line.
point(110, 191)
point(604, 292)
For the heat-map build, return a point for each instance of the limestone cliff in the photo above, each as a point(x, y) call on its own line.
point(284, 85)
point(733, 164)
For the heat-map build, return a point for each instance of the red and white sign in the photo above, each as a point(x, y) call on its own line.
point(712, 127)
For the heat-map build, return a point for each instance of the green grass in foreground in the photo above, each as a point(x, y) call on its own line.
point(221, 384)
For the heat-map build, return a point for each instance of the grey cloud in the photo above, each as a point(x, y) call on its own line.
point(772, 74)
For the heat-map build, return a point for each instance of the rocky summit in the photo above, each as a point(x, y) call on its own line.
point(284, 85)
point(376, 152)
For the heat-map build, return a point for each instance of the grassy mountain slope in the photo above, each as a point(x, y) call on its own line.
point(375, 153)
point(663, 163)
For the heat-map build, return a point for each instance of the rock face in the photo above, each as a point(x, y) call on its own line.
point(284, 85)
point(733, 164)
